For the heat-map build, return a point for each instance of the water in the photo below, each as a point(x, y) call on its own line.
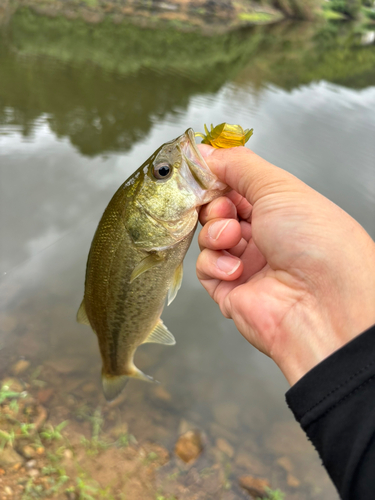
point(76, 118)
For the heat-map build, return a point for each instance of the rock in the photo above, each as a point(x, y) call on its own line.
point(13, 384)
point(225, 447)
point(189, 446)
point(68, 454)
point(285, 463)
point(28, 451)
point(185, 426)
point(30, 464)
point(21, 366)
point(9, 457)
point(8, 490)
point(33, 473)
point(292, 481)
point(226, 414)
point(44, 395)
point(250, 463)
point(161, 393)
point(40, 450)
point(256, 486)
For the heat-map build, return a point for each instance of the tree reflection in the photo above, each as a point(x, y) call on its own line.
point(104, 85)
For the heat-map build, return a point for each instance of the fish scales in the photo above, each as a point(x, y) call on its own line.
point(136, 255)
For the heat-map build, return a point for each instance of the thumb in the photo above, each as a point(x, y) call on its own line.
point(247, 173)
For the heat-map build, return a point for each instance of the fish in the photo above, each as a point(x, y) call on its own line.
point(225, 136)
point(136, 257)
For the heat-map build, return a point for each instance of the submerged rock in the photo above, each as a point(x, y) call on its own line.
point(256, 486)
point(28, 451)
point(292, 481)
point(20, 366)
point(225, 447)
point(9, 457)
point(12, 384)
point(189, 446)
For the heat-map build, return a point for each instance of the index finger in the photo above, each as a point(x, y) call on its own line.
point(247, 173)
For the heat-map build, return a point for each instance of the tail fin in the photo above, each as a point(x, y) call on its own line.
point(113, 385)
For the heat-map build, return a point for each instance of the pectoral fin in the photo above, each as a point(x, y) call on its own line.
point(81, 314)
point(176, 284)
point(160, 335)
point(147, 263)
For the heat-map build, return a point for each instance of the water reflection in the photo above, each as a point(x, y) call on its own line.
point(77, 116)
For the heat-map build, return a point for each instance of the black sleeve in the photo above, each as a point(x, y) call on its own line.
point(335, 405)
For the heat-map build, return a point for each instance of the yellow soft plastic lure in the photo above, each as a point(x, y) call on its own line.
point(225, 136)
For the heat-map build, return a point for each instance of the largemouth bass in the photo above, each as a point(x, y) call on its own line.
point(136, 255)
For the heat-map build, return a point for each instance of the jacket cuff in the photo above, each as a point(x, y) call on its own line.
point(334, 379)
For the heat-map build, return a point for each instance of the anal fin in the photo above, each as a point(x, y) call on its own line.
point(160, 335)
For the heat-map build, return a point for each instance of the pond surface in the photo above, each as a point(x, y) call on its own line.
point(81, 107)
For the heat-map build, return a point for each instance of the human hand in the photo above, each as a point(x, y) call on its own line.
point(294, 271)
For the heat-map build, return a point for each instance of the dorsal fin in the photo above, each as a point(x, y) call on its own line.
point(81, 314)
point(160, 335)
point(176, 284)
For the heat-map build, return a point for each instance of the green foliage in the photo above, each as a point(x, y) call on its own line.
point(102, 87)
point(349, 8)
point(255, 17)
point(51, 433)
point(273, 495)
point(331, 15)
point(151, 457)
point(7, 438)
point(87, 489)
point(14, 406)
point(299, 9)
point(369, 13)
point(26, 429)
point(125, 440)
point(6, 393)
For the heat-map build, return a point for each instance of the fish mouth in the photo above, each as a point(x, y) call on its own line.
point(198, 167)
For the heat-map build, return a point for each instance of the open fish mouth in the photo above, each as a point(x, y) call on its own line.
point(198, 167)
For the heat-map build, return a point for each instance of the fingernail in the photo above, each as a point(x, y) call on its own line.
point(215, 229)
point(228, 264)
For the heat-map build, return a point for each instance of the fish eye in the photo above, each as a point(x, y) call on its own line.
point(162, 171)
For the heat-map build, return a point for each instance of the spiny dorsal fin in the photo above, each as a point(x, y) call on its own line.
point(81, 314)
point(176, 284)
point(147, 263)
point(160, 335)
